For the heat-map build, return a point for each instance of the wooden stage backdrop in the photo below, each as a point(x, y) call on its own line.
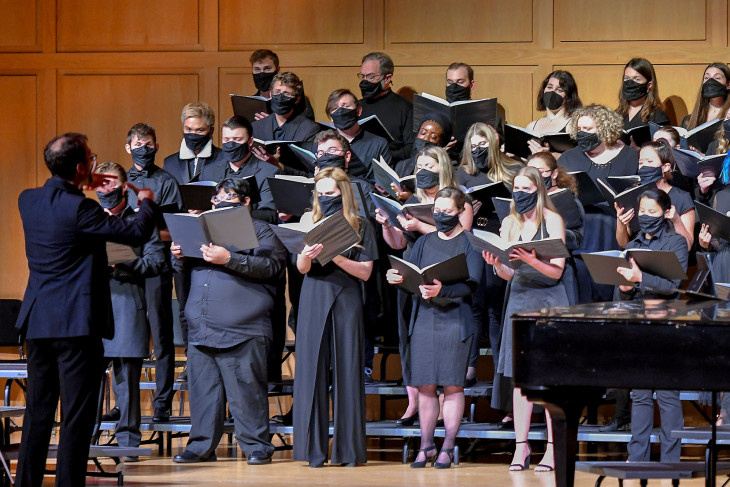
point(99, 67)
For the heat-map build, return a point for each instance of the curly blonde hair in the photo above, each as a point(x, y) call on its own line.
point(608, 123)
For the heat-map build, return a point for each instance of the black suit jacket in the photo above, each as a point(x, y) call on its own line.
point(65, 243)
point(296, 128)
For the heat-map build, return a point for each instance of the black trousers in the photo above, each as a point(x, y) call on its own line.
point(127, 373)
point(158, 296)
point(73, 368)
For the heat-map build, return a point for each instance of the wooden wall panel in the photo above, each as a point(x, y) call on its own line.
point(127, 25)
point(105, 105)
point(476, 21)
point(618, 20)
point(17, 172)
point(291, 22)
point(19, 27)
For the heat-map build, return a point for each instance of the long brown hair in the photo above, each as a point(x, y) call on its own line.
point(564, 180)
point(514, 220)
point(349, 205)
point(652, 102)
point(701, 108)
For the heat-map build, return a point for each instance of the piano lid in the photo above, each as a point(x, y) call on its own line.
point(648, 310)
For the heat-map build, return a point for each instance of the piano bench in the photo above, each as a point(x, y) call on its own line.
point(648, 470)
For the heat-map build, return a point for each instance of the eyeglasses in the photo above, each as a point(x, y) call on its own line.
point(372, 77)
point(332, 150)
point(226, 197)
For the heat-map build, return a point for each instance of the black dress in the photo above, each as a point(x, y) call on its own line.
point(441, 328)
point(330, 333)
point(658, 117)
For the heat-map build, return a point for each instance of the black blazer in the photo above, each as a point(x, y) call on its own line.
point(65, 243)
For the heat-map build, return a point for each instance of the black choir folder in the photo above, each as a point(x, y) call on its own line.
point(448, 271)
point(385, 175)
point(516, 139)
point(422, 211)
point(700, 136)
point(692, 164)
point(118, 253)
point(463, 114)
point(248, 106)
point(547, 248)
point(718, 222)
point(602, 265)
point(231, 228)
point(334, 233)
point(641, 135)
point(485, 193)
point(292, 194)
point(588, 192)
point(197, 195)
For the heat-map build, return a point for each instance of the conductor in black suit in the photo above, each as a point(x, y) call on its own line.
point(67, 306)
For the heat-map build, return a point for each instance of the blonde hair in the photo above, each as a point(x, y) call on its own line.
point(349, 205)
point(198, 109)
point(447, 177)
point(514, 221)
point(608, 123)
point(501, 168)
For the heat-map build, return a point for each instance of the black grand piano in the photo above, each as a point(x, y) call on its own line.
point(565, 357)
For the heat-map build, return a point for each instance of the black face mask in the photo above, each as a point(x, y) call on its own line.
point(456, 92)
point(344, 118)
point(329, 205)
point(144, 156)
point(650, 174)
point(420, 144)
point(713, 89)
point(331, 160)
point(227, 204)
point(112, 199)
point(587, 142)
point(263, 80)
point(552, 100)
point(196, 142)
point(631, 90)
point(726, 128)
point(282, 104)
point(651, 224)
point(370, 90)
point(481, 157)
point(445, 223)
point(548, 181)
point(426, 179)
point(234, 152)
point(524, 201)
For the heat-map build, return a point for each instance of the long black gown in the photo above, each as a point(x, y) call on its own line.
point(330, 334)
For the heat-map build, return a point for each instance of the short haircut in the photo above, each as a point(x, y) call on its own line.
point(141, 130)
point(469, 70)
point(236, 122)
point(114, 168)
point(237, 185)
point(198, 109)
point(261, 54)
point(331, 134)
point(335, 97)
point(454, 194)
point(657, 195)
point(386, 64)
point(63, 153)
point(291, 80)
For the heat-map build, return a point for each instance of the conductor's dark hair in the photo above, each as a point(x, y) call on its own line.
point(661, 198)
point(261, 54)
point(236, 122)
point(567, 83)
point(236, 185)
point(63, 153)
point(454, 194)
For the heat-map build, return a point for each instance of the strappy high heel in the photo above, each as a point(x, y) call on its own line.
point(450, 453)
point(517, 467)
point(431, 459)
point(542, 467)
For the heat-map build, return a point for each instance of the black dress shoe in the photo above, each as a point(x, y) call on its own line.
point(470, 382)
point(506, 425)
point(190, 457)
point(407, 420)
point(614, 426)
point(162, 415)
point(439, 423)
point(316, 464)
point(259, 458)
point(112, 415)
point(285, 419)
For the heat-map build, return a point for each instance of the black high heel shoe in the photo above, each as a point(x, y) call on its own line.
point(542, 467)
point(450, 453)
point(407, 420)
point(516, 467)
point(431, 459)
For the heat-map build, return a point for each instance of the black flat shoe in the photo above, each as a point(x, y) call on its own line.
point(407, 420)
point(316, 464)
point(259, 458)
point(190, 457)
point(162, 415)
point(429, 459)
point(112, 415)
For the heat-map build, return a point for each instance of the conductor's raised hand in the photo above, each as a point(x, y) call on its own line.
point(312, 251)
point(142, 194)
point(215, 254)
point(393, 276)
point(429, 291)
point(97, 180)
